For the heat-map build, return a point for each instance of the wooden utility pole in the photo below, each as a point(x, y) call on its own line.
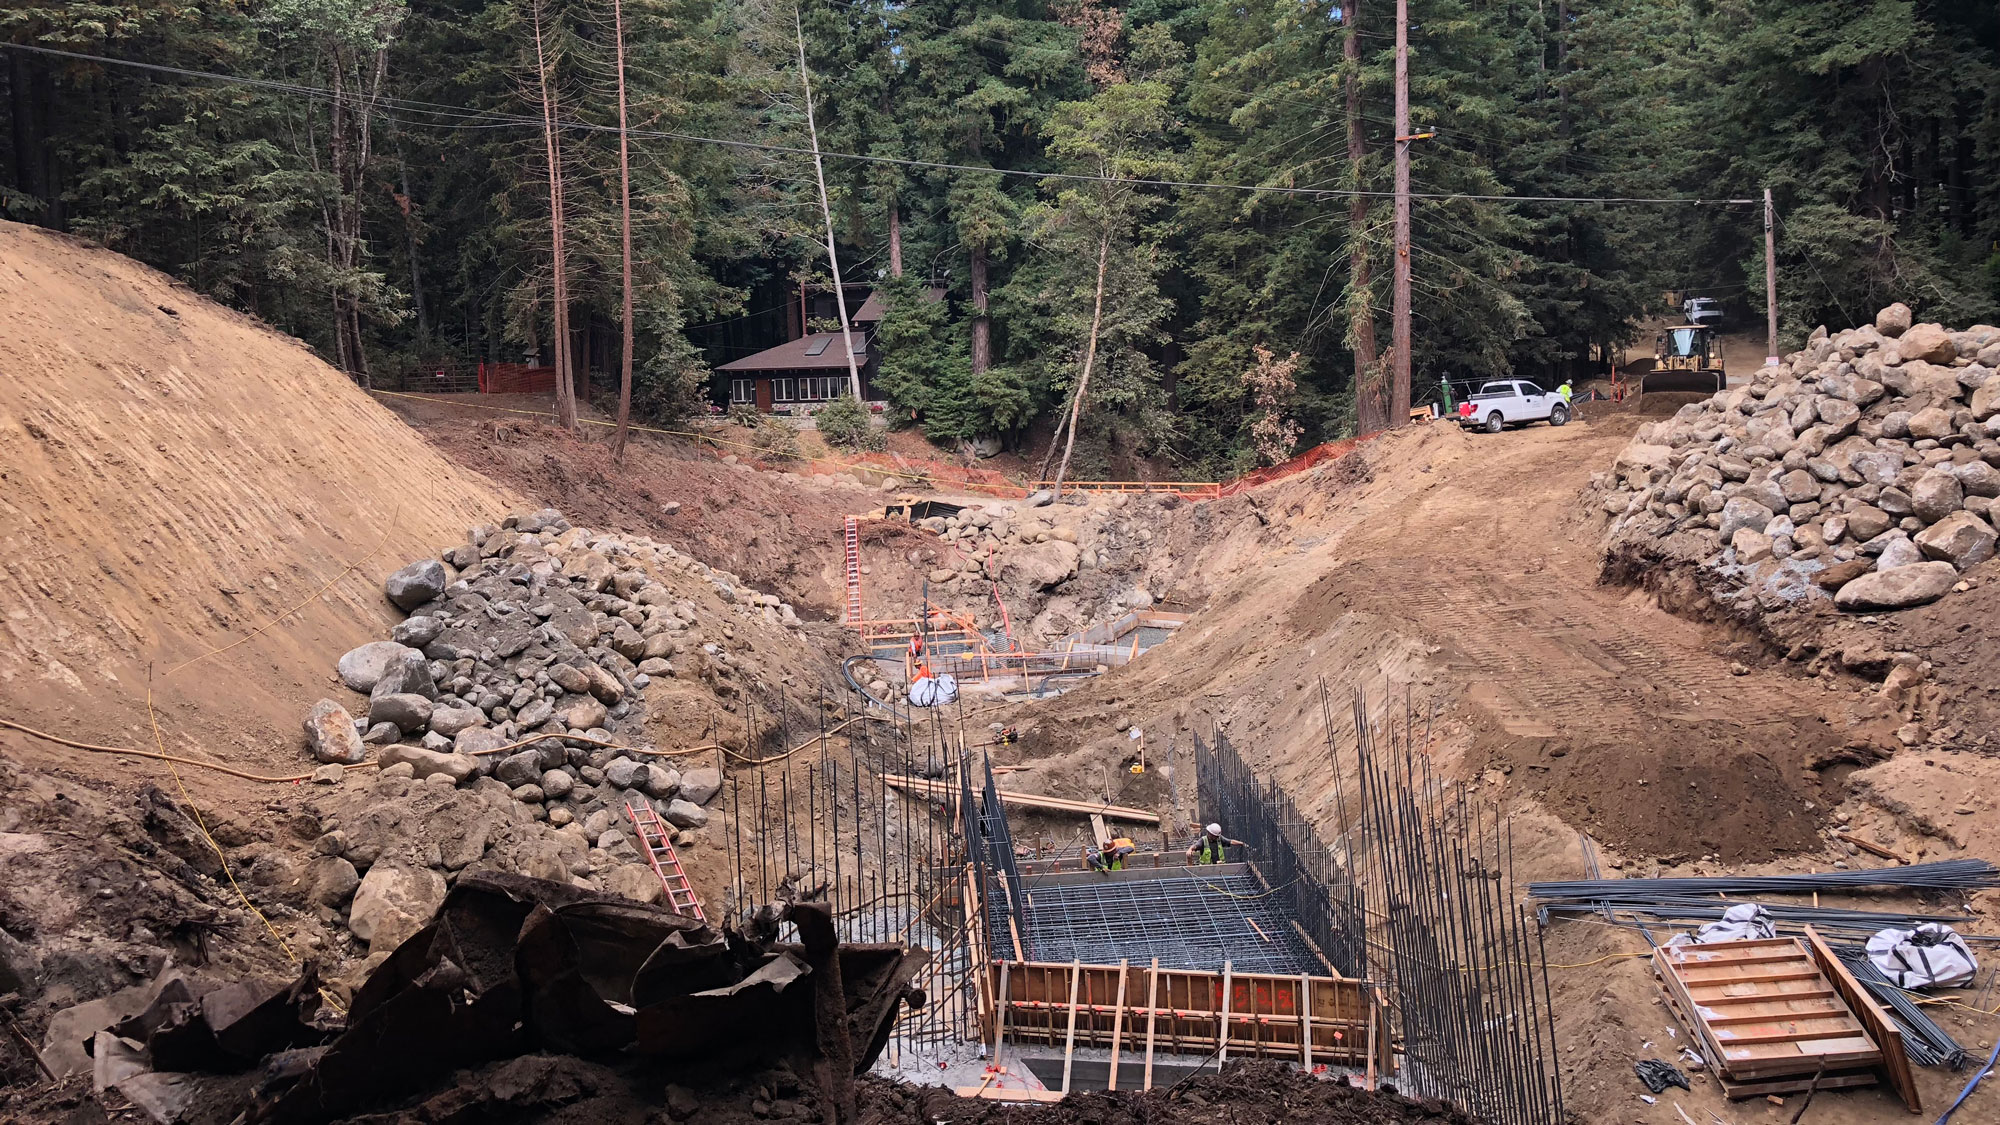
point(1770, 283)
point(565, 387)
point(1370, 408)
point(826, 210)
point(1399, 340)
point(625, 237)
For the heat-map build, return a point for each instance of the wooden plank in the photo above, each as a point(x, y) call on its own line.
point(930, 788)
point(1152, 1010)
point(1117, 1026)
point(1775, 1017)
point(1069, 1041)
point(1774, 957)
point(1808, 973)
point(1305, 1022)
point(993, 1095)
point(1743, 1037)
point(1737, 1091)
point(1874, 1018)
point(1222, 1028)
point(1098, 832)
point(1000, 1020)
point(1765, 997)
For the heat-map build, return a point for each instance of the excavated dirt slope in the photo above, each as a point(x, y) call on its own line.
point(174, 474)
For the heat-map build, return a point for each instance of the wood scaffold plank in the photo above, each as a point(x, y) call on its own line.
point(1069, 1041)
point(1117, 1025)
point(1152, 1013)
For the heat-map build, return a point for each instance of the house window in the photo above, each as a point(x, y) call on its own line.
point(743, 390)
point(781, 390)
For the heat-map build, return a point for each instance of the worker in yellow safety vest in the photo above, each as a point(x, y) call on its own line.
point(1207, 847)
point(1110, 854)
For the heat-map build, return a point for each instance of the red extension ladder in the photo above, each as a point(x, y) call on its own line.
point(851, 542)
point(657, 841)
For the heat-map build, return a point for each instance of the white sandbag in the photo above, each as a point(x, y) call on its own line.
point(934, 691)
point(1930, 955)
point(1743, 922)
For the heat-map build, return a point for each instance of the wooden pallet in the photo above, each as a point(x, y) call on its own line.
point(1773, 1013)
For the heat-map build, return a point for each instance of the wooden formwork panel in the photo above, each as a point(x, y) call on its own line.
point(1180, 1011)
point(1773, 1013)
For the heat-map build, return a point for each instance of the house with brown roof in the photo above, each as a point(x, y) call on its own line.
point(810, 369)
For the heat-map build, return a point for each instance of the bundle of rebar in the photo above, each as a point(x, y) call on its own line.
point(1789, 919)
point(1924, 1041)
point(1946, 875)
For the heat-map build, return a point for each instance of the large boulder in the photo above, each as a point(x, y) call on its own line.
point(584, 713)
point(1930, 422)
point(415, 584)
point(394, 901)
point(424, 763)
point(1867, 521)
point(1750, 545)
point(329, 880)
point(635, 881)
point(331, 736)
point(700, 786)
point(1739, 513)
point(360, 668)
point(409, 711)
point(1894, 320)
point(1044, 565)
point(569, 678)
point(684, 814)
point(1928, 342)
point(661, 781)
point(603, 685)
point(1936, 495)
point(416, 632)
point(625, 773)
point(1978, 478)
point(1901, 588)
point(449, 721)
point(1961, 539)
point(516, 770)
point(409, 672)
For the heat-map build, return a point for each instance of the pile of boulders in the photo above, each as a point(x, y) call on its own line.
point(1035, 547)
point(519, 676)
point(1865, 468)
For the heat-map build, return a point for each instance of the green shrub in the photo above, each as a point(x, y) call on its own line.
point(845, 422)
point(776, 441)
point(744, 414)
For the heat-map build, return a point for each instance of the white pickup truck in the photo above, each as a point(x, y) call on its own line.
point(1511, 402)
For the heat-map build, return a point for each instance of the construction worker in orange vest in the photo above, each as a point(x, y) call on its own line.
point(1110, 855)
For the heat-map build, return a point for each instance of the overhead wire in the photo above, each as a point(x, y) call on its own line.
point(946, 166)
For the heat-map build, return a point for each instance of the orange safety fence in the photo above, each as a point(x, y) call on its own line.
point(516, 379)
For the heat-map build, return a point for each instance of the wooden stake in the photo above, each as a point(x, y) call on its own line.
point(1117, 1024)
point(1152, 1014)
point(1069, 1041)
point(1000, 1019)
point(1305, 1022)
point(1222, 1037)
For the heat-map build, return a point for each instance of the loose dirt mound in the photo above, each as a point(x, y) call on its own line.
point(176, 474)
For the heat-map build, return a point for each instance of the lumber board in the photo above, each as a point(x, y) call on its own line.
point(990, 1094)
point(1737, 1091)
point(1117, 1026)
point(1873, 1017)
point(928, 788)
point(1152, 1010)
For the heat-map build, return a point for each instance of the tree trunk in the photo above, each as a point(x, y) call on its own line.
point(895, 240)
point(29, 139)
point(625, 243)
point(1399, 348)
point(565, 388)
point(982, 325)
point(409, 209)
point(1089, 358)
point(826, 211)
point(1371, 410)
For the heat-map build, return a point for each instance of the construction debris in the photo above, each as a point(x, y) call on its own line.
point(513, 966)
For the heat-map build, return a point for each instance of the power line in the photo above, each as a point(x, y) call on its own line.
point(503, 119)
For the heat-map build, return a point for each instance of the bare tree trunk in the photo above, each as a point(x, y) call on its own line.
point(895, 240)
point(982, 325)
point(1089, 358)
point(565, 388)
point(826, 211)
point(1371, 407)
point(625, 240)
point(408, 206)
point(1399, 328)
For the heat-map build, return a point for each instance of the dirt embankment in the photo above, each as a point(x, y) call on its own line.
point(174, 475)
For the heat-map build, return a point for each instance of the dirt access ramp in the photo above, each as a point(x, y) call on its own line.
point(1459, 569)
point(176, 474)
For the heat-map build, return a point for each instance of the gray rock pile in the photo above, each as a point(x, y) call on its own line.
point(1864, 468)
point(532, 628)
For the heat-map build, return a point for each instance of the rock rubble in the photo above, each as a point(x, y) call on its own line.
point(1864, 468)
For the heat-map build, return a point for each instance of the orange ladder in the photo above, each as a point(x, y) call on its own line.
point(658, 844)
point(851, 541)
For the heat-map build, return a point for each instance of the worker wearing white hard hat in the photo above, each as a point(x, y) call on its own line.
point(1208, 847)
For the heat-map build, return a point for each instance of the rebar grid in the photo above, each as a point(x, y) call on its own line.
point(1192, 921)
point(1464, 956)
